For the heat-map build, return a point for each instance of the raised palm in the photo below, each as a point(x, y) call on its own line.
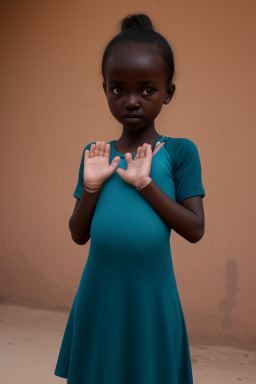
point(96, 164)
point(138, 169)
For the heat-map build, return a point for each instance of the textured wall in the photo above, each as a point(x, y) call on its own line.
point(52, 105)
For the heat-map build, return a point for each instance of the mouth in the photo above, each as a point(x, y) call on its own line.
point(132, 117)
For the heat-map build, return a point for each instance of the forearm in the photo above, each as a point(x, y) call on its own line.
point(80, 221)
point(183, 221)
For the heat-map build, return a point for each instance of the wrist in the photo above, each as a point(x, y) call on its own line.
point(92, 188)
point(143, 183)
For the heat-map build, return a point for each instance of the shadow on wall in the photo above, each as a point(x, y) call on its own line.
point(229, 302)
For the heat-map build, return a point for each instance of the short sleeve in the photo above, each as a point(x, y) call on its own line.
point(79, 188)
point(187, 170)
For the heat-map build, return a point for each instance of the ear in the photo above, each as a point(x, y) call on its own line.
point(104, 87)
point(170, 92)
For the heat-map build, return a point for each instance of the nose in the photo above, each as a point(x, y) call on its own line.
point(131, 102)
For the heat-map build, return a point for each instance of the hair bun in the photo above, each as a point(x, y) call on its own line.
point(139, 21)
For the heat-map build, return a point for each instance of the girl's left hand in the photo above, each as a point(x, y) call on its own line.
point(138, 169)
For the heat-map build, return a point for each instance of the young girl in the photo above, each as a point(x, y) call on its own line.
point(126, 324)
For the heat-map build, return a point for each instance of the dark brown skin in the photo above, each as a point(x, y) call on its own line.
point(80, 221)
point(136, 84)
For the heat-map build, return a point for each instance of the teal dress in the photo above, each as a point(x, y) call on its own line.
point(126, 324)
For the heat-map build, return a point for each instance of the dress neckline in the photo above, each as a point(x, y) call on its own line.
point(160, 139)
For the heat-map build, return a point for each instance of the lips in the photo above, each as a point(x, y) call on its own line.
point(132, 116)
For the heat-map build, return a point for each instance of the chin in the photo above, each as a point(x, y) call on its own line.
point(132, 122)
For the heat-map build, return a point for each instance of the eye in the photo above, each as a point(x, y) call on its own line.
point(148, 91)
point(116, 90)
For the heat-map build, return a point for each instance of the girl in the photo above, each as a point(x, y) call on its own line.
point(126, 324)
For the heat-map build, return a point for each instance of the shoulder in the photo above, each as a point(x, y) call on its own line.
point(181, 144)
point(180, 149)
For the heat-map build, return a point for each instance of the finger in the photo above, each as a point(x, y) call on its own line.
point(115, 162)
point(138, 151)
point(92, 148)
point(128, 158)
point(86, 154)
point(142, 151)
point(120, 171)
point(157, 147)
point(97, 148)
point(102, 148)
point(148, 150)
point(107, 150)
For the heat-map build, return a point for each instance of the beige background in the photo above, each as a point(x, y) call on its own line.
point(52, 105)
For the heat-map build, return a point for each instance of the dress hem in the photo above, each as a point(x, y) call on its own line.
point(60, 374)
point(64, 376)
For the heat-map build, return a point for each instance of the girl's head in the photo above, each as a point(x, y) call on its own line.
point(137, 70)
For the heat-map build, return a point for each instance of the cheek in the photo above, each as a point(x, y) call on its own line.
point(155, 111)
point(155, 105)
point(114, 107)
point(113, 104)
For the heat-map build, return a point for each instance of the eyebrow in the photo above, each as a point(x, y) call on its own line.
point(138, 82)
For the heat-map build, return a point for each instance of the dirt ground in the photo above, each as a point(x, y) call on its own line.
point(30, 341)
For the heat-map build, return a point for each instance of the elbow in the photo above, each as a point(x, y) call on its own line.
point(196, 237)
point(75, 237)
point(79, 241)
point(198, 232)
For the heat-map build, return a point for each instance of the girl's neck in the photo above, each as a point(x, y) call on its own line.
point(130, 141)
point(133, 138)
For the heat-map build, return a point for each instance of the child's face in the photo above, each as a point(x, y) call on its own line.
point(136, 84)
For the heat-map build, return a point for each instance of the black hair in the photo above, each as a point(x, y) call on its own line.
point(138, 28)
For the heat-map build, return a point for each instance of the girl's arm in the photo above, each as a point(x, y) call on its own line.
point(80, 221)
point(187, 218)
point(186, 214)
point(95, 169)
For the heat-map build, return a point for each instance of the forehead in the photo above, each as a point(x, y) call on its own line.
point(138, 60)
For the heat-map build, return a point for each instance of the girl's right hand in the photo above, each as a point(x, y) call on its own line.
point(96, 164)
